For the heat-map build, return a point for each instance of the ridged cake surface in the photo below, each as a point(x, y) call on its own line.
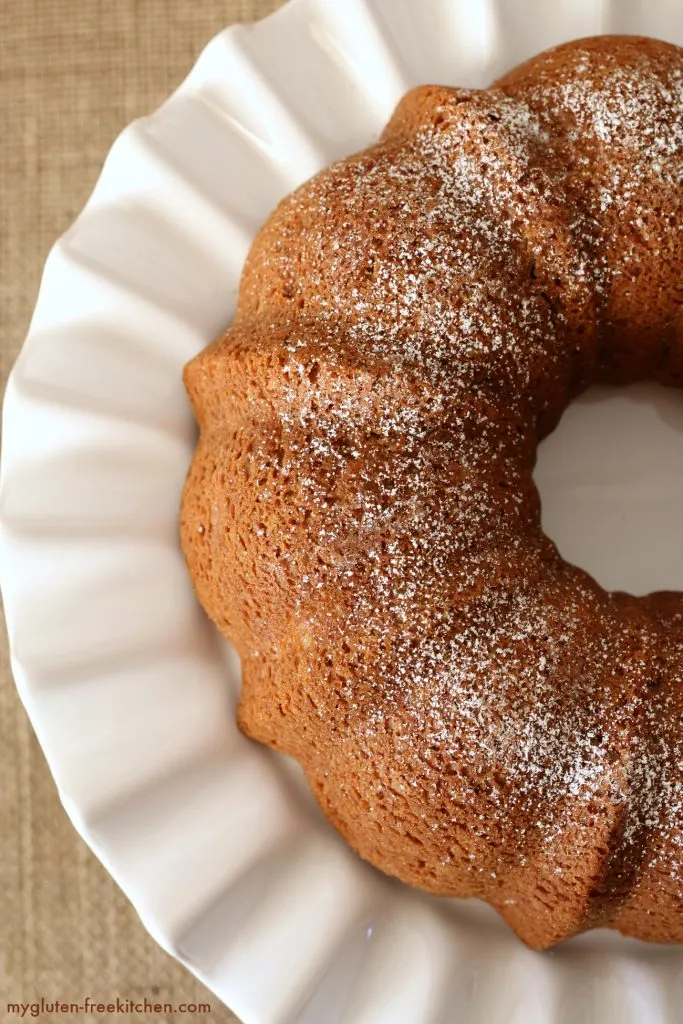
point(476, 716)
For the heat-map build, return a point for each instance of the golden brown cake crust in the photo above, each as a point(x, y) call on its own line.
point(475, 716)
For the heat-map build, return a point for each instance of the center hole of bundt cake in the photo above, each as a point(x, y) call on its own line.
point(611, 485)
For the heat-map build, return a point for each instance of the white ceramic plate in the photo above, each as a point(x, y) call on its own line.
point(215, 841)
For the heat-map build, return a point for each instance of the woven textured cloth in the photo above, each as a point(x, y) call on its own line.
point(73, 73)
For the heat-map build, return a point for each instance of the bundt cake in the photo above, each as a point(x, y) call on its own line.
point(474, 715)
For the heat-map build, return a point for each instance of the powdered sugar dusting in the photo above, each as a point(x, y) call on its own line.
point(443, 296)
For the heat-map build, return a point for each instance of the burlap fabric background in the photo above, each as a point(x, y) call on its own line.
point(72, 74)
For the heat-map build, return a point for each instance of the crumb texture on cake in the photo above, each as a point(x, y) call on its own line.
point(474, 715)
